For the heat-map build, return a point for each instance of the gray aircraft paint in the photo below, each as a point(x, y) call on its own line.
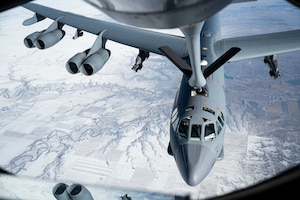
point(196, 156)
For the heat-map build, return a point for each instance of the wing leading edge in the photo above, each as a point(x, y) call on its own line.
point(149, 41)
point(261, 45)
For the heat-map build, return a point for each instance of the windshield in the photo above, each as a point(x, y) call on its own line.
point(196, 131)
point(183, 128)
point(209, 132)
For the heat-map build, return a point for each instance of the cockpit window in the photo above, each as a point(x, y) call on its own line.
point(175, 119)
point(209, 133)
point(219, 128)
point(196, 131)
point(183, 128)
point(189, 108)
point(221, 119)
point(208, 110)
point(220, 122)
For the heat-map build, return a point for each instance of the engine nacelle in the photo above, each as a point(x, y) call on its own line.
point(29, 41)
point(61, 191)
point(75, 62)
point(49, 39)
point(94, 62)
point(79, 192)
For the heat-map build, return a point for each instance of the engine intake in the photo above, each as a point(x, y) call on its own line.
point(74, 63)
point(29, 41)
point(49, 39)
point(79, 192)
point(88, 65)
point(94, 62)
point(61, 191)
point(43, 40)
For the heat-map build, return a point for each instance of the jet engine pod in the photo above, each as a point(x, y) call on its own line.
point(29, 40)
point(60, 192)
point(79, 192)
point(95, 62)
point(49, 39)
point(75, 62)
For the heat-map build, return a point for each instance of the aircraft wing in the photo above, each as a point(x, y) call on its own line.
point(151, 41)
point(145, 40)
point(261, 45)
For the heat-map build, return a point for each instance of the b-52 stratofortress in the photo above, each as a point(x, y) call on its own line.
point(198, 120)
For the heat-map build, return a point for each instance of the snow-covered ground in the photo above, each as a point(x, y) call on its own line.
point(112, 129)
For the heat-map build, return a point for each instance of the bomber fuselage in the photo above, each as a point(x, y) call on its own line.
point(198, 119)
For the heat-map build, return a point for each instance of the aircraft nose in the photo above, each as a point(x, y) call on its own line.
point(199, 161)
